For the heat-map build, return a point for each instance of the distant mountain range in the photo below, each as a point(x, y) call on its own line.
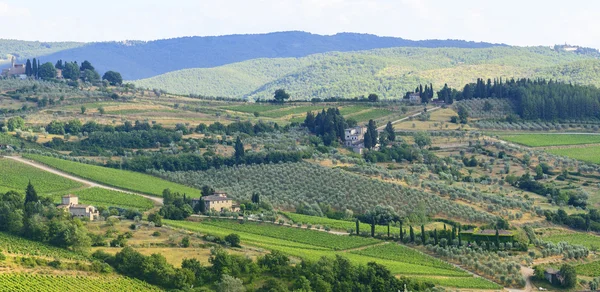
point(139, 59)
point(390, 73)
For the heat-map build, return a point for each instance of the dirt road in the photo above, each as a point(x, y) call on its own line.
point(156, 200)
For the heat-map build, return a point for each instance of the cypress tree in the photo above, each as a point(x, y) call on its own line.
point(389, 129)
point(34, 68)
point(435, 236)
point(459, 239)
point(357, 227)
point(30, 194)
point(497, 239)
point(412, 234)
point(239, 149)
point(423, 233)
point(388, 229)
point(28, 68)
point(401, 232)
point(372, 227)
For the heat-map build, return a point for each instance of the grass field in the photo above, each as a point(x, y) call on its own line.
point(541, 140)
point(588, 154)
point(133, 181)
point(336, 224)
point(590, 269)
point(584, 239)
point(372, 114)
point(108, 198)
point(16, 176)
point(251, 108)
point(290, 111)
point(35, 282)
point(312, 245)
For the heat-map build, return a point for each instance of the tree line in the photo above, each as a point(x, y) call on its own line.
point(271, 272)
point(70, 70)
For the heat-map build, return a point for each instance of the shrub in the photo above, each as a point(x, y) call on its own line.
point(233, 240)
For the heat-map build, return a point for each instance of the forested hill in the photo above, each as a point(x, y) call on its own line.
point(388, 72)
point(136, 60)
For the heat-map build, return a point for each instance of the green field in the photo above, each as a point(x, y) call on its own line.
point(400, 253)
point(590, 269)
point(588, 154)
point(129, 180)
point(372, 114)
point(108, 198)
point(316, 238)
point(252, 108)
point(290, 111)
point(584, 239)
point(36, 282)
point(541, 140)
point(312, 245)
point(16, 176)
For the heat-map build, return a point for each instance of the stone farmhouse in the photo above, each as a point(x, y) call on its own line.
point(355, 138)
point(218, 201)
point(15, 70)
point(414, 98)
point(70, 203)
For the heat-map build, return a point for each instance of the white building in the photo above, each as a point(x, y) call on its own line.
point(414, 97)
point(355, 138)
point(70, 203)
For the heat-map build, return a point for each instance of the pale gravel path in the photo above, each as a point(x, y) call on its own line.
point(156, 200)
point(408, 117)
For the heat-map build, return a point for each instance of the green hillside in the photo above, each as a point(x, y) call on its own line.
point(388, 72)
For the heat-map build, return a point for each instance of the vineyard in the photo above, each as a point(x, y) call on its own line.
point(108, 198)
point(19, 246)
point(128, 180)
point(300, 243)
point(22, 282)
point(285, 185)
point(590, 269)
point(541, 140)
point(16, 176)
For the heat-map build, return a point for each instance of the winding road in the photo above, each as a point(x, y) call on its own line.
point(156, 200)
point(408, 117)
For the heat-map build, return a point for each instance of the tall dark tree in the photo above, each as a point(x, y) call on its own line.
point(239, 149)
point(281, 96)
point(309, 121)
point(412, 234)
point(401, 232)
point(423, 234)
point(569, 275)
point(372, 131)
point(207, 191)
point(389, 129)
point(435, 237)
point(357, 227)
point(28, 68)
point(256, 198)
point(59, 65)
point(34, 68)
point(30, 194)
point(368, 142)
point(71, 71)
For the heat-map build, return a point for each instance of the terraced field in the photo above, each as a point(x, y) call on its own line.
point(124, 179)
point(312, 245)
point(16, 176)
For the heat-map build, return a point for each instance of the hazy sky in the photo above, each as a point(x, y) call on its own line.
point(516, 22)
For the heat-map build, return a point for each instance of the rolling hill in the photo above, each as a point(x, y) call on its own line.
point(389, 72)
point(140, 59)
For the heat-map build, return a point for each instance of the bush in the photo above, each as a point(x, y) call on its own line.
point(233, 240)
point(185, 242)
point(156, 233)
